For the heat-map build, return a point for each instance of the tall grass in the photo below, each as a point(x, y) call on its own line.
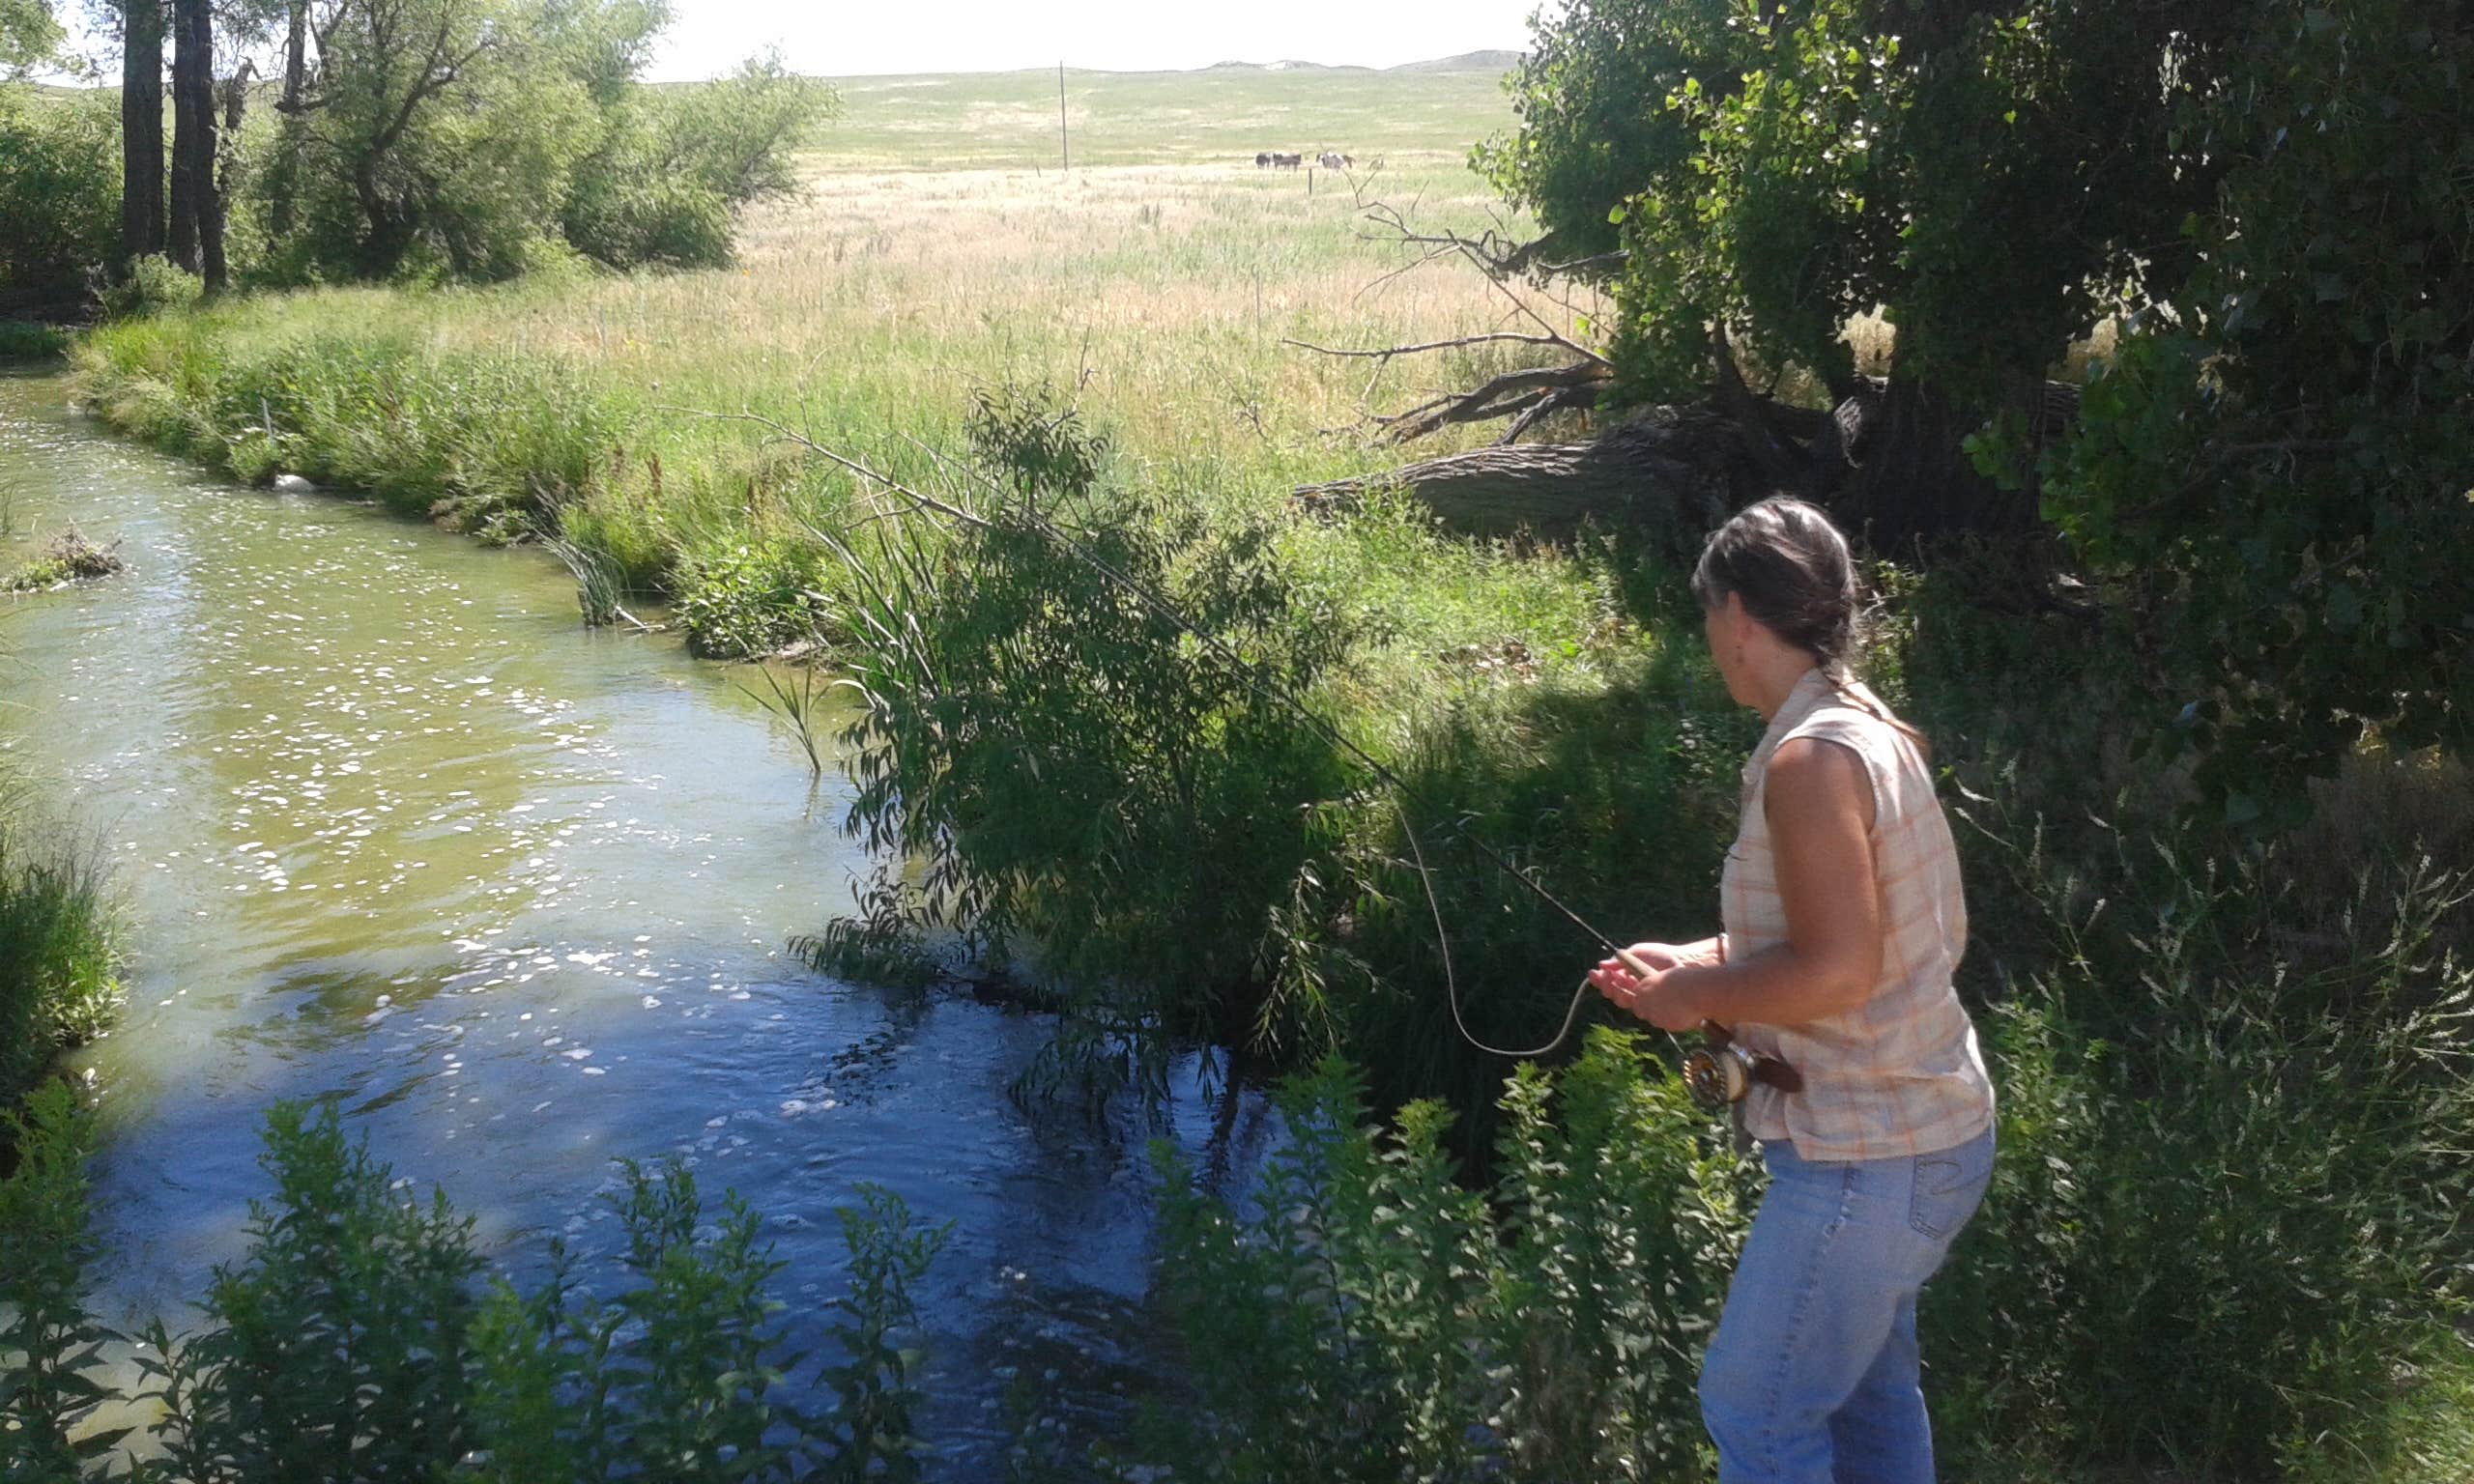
point(60, 959)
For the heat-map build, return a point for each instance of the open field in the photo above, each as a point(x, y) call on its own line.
point(930, 256)
point(1009, 120)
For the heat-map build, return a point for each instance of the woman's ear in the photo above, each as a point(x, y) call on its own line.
point(1732, 618)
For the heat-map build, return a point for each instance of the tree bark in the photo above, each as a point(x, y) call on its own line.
point(296, 61)
point(141, 128)
point(282, 174)
point(197, 212)
point(235, 90)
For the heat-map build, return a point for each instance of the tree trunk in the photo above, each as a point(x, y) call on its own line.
point(1667, 468)
point(141, 128)
point(283, 171)
point(198, 215)
point(385, 234)
point(235, 101)
point(296, 65)
point(1894, 469)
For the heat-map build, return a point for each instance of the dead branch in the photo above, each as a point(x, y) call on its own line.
point(1387, 352)
point(1525, 395)
point(1511, 395)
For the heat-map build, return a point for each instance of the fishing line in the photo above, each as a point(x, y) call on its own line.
point(1264, 686)
point(1451, 984)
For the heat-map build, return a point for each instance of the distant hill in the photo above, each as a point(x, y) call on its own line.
point(1466, 62)
point(1286, 65)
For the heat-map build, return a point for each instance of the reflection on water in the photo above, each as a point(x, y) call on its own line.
point(396, 831)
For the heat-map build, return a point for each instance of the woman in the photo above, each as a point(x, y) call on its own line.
point(1843, 922)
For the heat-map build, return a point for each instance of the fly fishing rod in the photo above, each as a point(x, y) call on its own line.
point(1719, 1070)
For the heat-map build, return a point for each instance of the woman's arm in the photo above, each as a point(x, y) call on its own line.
point(1819, 809)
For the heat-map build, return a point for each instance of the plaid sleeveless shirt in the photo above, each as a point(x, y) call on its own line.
point(1900, 1073)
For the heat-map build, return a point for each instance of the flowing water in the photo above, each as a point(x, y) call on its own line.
point(394, 830)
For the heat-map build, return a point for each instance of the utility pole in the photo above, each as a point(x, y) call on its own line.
point(1064, 146)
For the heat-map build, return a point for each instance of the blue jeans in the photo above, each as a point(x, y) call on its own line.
point(1812, 1376)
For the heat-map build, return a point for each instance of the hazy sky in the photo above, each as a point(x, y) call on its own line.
point(836, 38)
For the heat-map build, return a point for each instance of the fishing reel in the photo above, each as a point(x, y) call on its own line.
point(1717, 1073)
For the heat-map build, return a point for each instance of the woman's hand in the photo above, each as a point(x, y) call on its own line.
point(1658, 998)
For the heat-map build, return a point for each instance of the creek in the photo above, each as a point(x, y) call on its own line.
point(393, 829)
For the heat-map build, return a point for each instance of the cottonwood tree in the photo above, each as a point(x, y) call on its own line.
point(2273, 200)
point(463, 135)
point(1747, 179)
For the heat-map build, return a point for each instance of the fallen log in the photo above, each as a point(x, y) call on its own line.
point(1679, 468)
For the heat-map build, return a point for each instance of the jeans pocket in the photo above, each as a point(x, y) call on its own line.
point(1947, 1187)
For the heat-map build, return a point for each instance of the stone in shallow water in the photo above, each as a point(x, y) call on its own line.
point(292, 484)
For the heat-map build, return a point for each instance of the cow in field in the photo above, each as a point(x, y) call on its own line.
point(1331, 159)
point(1263, 159)
point(1288, 161)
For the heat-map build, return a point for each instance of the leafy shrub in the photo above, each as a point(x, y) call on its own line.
point(877, 1420)
point(750, 600)
point(335, 1348)
point(24, 340)
point(2278, 473)
point(153, 284)
point(626, 218)
point(679, 1376)
point(2204, 1135)
point(1374, 1320)
point(676, 165)
point(1075, 771)
point(349, 1344)
point(2213, 1134)
point(49, 1342)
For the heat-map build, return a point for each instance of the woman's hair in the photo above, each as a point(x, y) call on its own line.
point(1797, 578)
point(1795, 574)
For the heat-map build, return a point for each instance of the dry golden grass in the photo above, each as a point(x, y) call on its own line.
point(1164, 291)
